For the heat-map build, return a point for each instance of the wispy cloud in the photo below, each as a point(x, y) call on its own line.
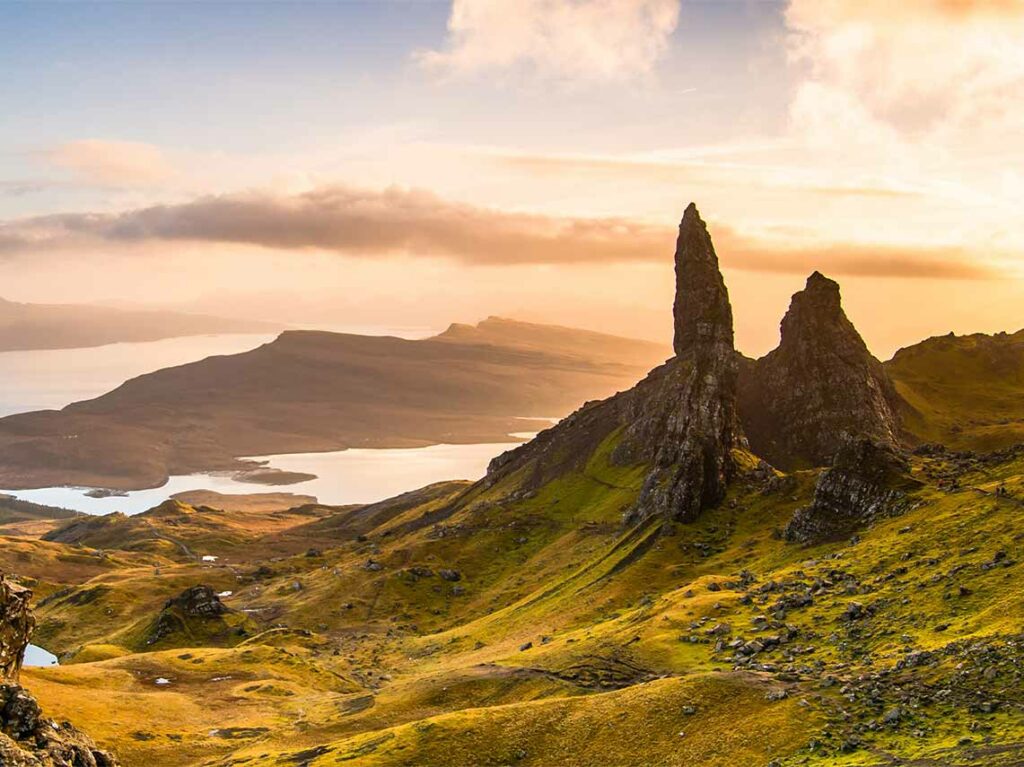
point(374, 224)
point(111, 162)
point(570, 39)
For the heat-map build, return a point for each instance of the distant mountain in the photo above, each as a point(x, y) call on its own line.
point(70, 326)
point(315, 391)
point(572, 342)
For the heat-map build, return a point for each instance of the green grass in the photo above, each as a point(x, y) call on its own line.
point(966, 392)
point(380, 666)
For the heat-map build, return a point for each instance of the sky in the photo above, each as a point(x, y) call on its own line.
point(418, 162)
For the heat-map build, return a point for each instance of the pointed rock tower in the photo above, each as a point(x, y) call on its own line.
point(803, 401)
point(687, 425)
point(680, 421)
point(702, 313)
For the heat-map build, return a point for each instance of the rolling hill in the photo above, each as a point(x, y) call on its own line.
point(316, 391)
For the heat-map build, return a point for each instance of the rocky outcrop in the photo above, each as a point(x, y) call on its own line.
point(819, 388)
point(687, 426)
point(16, 624)
point(27, 738)
point(681, 420)
point(196, 614)
point(868, 481)
point(795, 407)
point(701, 312)
point(198, 602)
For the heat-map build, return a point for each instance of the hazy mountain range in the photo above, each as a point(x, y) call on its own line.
point(69, 326)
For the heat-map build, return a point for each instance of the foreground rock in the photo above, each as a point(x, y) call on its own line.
point(16, 624)
point(869, 481)
point(27, 738)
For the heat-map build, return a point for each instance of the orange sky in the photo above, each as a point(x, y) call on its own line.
point(532, 159)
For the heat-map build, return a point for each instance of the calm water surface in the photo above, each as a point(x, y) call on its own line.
point(343, 477)
point(37, 656)
point(52, 379)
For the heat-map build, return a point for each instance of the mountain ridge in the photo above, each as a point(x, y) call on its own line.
point(37, 327)
point(310, 391)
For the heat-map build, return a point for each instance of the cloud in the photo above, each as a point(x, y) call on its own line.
point(917, 66)
point(564, 39)
point(847, 259)
point(350, 221)
point(374, 224)
point(703, 173)
point(112, 162)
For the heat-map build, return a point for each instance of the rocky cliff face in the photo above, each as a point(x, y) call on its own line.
point(687, 426)
point(819, 388)
point(868, 481)
point(797, 406)
point(681, 419)
point(16, 624)
point(701, 312)
point(27, 739)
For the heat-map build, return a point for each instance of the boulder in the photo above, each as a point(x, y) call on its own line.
point(868, 481)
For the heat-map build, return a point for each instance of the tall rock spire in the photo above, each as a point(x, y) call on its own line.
point(821, 386)
point(701, 311)
point(680, 421)
point(688, 425)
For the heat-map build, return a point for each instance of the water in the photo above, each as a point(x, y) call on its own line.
point(343, 477)
point(37, 656)
point(51, 379)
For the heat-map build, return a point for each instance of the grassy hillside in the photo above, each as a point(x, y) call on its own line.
point(484, 624)
point(966, 392)
point(24, 518)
